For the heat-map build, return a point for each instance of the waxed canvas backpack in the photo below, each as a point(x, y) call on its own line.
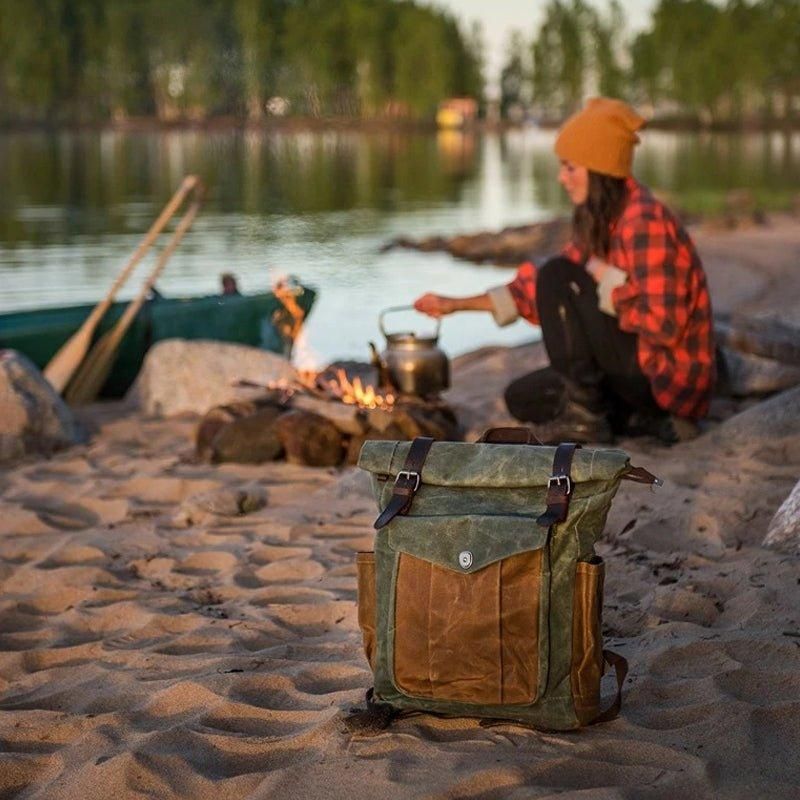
point(483, 596)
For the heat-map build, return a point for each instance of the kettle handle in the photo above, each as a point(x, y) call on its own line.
point(392, 309)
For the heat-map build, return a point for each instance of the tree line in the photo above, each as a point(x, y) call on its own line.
point(89, 60)
point(714, 62)
point(74, 61)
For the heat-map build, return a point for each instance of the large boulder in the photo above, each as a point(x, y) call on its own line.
point(33, 418)
point(180, 376)
point(784, 530)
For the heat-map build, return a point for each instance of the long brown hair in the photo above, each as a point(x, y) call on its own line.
point(592, 220)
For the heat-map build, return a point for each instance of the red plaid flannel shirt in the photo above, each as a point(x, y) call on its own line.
point(664, 302)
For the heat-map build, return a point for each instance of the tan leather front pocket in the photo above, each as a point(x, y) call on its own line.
point(470, 637)
point(365, 564)
point(587, 638)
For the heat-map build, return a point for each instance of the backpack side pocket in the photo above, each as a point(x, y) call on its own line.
point(367, 604)
point(587, 638)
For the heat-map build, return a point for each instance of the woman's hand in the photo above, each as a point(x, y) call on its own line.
point(435, 305)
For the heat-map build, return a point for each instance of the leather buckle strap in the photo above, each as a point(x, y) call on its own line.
point(559, 486)
point(641, 475)
point(407, 482)
point(620, 665)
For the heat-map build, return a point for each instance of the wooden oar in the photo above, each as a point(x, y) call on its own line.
point(64, 363)
point(94, 370)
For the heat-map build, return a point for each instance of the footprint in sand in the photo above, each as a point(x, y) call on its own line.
point(273, 692)
point(58, 514)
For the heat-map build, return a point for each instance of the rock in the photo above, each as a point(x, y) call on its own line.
point(247, 439)
point(224, 502)
point(509, 246)
point(33, 418)
point(744, 374)
point(389, 434)
point(784, 529)
point(180, 376)
point(777, 418)
point(310, 439)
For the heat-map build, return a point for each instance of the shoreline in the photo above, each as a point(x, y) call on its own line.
point(389, 125)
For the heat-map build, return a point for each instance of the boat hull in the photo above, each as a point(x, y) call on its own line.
point(244, 319)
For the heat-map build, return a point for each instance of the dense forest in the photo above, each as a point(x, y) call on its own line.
point(76, 61)
point(87, 60)
point(716, 62)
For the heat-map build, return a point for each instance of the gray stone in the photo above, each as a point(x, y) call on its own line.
point(784, 529)
point(33, 418)
point(224, 502)
point(180, 376)
point(744, 374)
point(777, 418)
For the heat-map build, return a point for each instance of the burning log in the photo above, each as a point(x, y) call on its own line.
point(320, 419)
point(309, 439)
point(242, 432)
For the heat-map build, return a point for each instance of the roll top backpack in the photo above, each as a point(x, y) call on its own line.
point(483, 596)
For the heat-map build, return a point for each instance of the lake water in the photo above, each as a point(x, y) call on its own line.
point(319, 206)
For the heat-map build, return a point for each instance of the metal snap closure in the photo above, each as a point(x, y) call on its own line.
point(465, 559)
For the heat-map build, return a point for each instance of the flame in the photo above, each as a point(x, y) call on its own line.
point(354, 393)
point(341, 388)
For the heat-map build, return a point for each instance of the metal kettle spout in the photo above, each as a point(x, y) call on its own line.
point(380, 364)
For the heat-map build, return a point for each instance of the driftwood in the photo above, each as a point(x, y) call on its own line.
point(509, 246)
point(760, 336)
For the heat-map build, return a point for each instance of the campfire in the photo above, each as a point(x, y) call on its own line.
point(320, 418)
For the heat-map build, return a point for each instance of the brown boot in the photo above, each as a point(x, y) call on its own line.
point(575, 423)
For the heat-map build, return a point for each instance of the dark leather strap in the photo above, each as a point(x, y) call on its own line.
point(407, 482)
point(509, 435)
point(559, 486)
point(641, 475)
point(620, 665)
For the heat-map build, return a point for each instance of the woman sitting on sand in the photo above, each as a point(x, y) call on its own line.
point(624, 309)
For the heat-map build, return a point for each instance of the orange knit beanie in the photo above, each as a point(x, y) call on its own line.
point(601, 137)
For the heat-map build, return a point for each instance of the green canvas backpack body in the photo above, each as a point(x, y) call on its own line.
point(483, 596)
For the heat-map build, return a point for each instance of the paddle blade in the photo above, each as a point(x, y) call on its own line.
point(63, 364)
point(93, 372)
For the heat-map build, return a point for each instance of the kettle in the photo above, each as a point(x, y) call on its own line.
point(412, 364)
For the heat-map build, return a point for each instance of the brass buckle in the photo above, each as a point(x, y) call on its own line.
point(404, 473)
point(557, 480)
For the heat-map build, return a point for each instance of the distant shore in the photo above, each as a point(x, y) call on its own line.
point(298, 124)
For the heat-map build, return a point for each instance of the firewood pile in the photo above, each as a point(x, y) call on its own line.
point(320, 420)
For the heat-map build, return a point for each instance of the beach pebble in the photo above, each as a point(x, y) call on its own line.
point(784, 529)
point(226, 501)
point(180, 376)
point(33, 418)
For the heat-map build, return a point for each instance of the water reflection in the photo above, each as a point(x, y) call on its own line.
point(319, 205)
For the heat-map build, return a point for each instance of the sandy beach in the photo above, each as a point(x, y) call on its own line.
point(151, 647)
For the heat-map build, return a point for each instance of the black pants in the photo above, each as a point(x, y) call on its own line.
point(587, 351)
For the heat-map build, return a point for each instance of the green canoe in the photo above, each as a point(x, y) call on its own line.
point(245, 319)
